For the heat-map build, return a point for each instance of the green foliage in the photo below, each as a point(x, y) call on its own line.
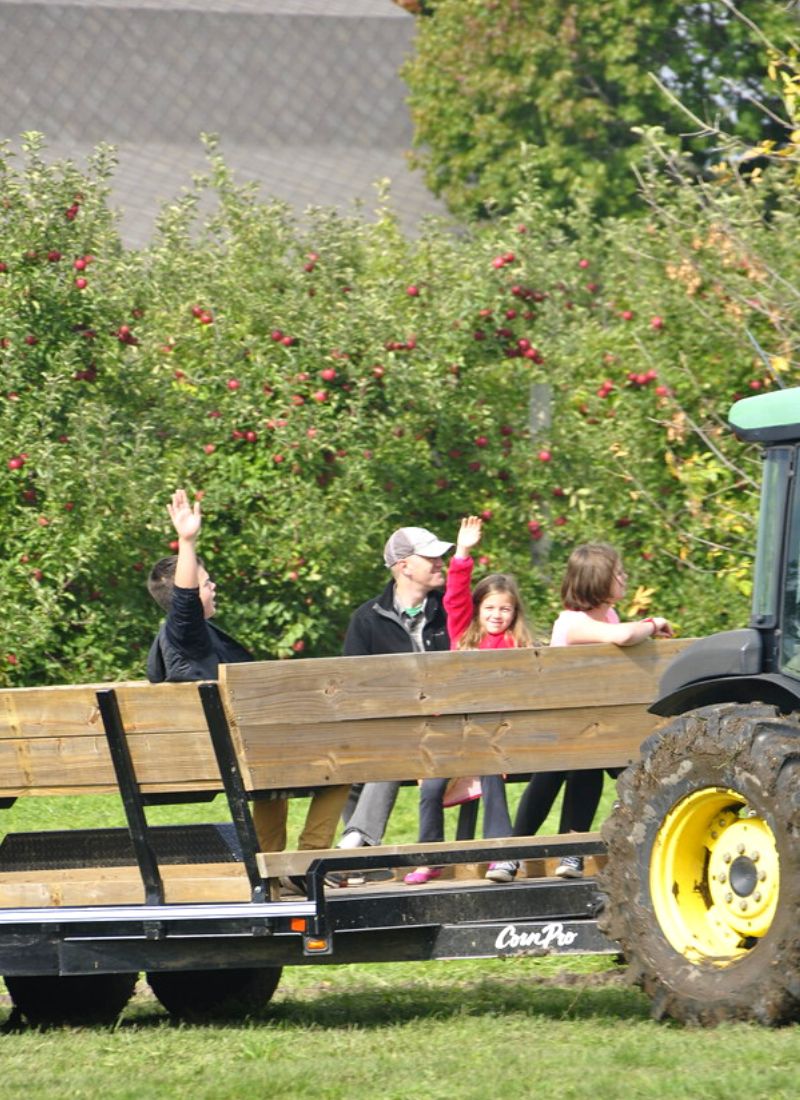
point(503, 90)
point(319, 383)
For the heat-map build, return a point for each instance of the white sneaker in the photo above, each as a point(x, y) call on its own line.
point(352, 839)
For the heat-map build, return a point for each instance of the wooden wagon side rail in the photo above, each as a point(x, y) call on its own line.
point(270, 727)
point(52, 740)
point(414, 716)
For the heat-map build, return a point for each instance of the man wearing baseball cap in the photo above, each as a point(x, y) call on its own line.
point(407, 617)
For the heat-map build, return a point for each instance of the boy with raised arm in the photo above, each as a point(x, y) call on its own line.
point(190, 647)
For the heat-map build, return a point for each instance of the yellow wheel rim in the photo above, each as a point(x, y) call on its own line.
point(714, 876)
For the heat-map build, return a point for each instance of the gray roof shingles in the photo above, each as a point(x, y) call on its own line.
point(304, 95)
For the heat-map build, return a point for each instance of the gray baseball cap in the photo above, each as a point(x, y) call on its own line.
point(413, 540)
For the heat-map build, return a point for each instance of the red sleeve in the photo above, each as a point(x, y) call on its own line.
point(458, 598)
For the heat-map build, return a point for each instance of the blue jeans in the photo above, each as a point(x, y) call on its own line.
point(496, 819)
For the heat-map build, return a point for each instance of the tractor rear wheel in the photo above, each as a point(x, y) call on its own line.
point(702, 883)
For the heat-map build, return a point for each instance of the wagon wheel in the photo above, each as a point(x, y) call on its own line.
point(200, 994)
point(702, 882)
point(48, 1000)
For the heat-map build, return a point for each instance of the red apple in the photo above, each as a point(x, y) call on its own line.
point(544, 456)
point(209, 448)
point(233, 384)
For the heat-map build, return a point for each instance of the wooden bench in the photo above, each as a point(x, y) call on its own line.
point(277, 726)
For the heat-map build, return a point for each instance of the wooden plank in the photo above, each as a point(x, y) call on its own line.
point(444, 746)
point(52, 740)
point(183, 883)
point(278, 864)
point(336, 689)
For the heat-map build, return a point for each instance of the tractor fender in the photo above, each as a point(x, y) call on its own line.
point(724, 668)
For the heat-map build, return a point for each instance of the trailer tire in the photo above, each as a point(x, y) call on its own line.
point(702, 882)
point(53, 1000)
point(209, 994)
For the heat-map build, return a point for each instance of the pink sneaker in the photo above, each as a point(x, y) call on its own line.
point(422, 875)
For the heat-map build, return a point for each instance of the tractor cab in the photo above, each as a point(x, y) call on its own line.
point(761, 661)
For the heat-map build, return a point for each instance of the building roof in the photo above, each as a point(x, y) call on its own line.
point(304, 95)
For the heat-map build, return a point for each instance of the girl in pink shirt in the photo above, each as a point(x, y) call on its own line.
point(594, 581)
point(490, 617)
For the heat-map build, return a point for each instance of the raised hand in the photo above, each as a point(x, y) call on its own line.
point(469, 535)
point(186, 518)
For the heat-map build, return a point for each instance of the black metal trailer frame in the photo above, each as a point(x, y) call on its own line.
point(375, 923)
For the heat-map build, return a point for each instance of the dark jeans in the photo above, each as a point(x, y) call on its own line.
point(496, 819)
point(581, 799)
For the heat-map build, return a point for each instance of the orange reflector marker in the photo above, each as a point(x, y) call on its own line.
point(297, 924)
point(312, 944)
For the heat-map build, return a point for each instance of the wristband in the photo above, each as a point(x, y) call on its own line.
point(650, 619)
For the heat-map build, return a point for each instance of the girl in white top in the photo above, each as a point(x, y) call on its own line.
point(594, 581)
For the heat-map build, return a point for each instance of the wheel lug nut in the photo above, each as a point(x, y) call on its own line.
point(743, 905)
point(722, 822)
point(755, 856)
point(727, 857)
point(762, 876)
point(714, 834)
point(729, 897)
point(740, 849)
point(757, 896)
point(722, 877)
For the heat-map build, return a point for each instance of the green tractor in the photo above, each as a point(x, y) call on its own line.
point(702, 884)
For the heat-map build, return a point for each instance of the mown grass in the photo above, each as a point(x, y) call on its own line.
point(511, 1028)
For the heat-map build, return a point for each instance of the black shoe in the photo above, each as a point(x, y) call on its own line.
point(335, 879)
point(380, 874)
point(570, 867)
point(296, 885)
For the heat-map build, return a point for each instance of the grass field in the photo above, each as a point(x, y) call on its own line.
point(511, 1028)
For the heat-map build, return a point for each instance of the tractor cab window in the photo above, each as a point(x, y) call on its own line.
point(767, 574)
point(790, 615)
